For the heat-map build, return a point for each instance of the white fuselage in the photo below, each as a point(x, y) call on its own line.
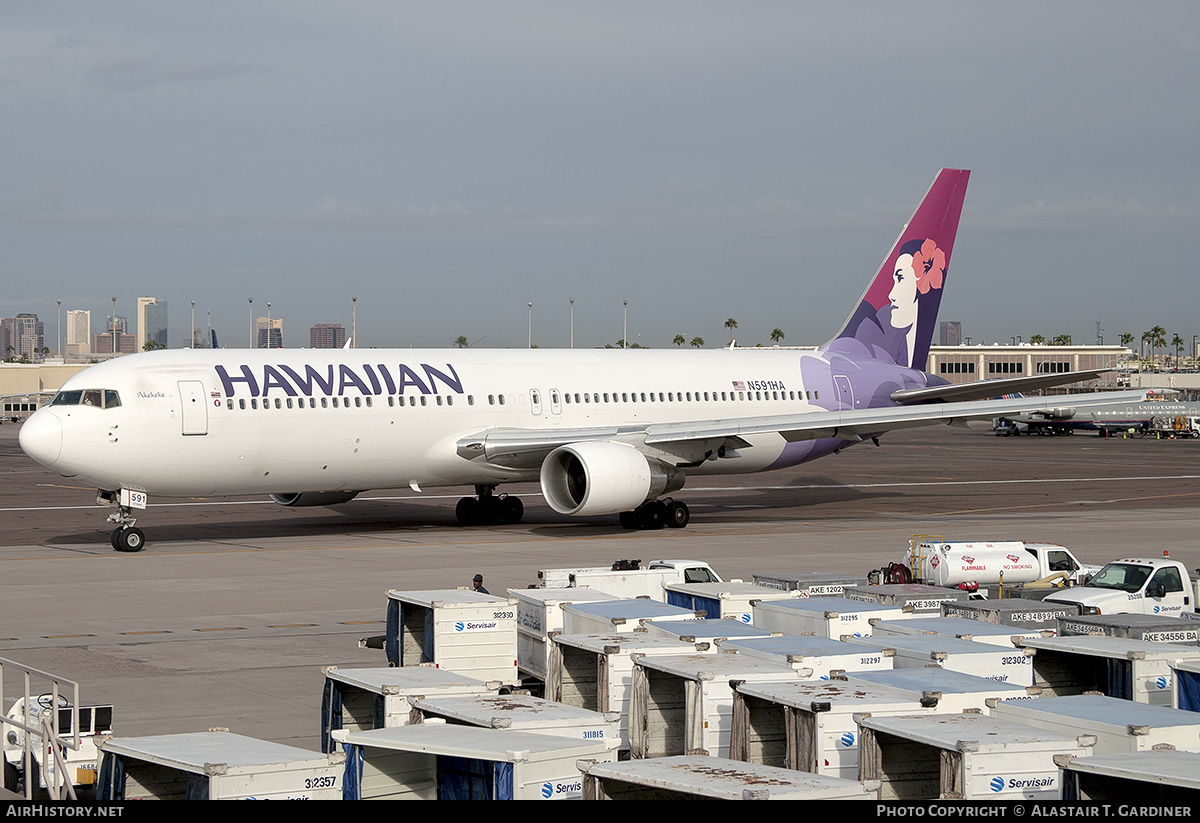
point(224, 422)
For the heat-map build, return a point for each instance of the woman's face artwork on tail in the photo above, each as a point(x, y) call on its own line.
point(903, 295)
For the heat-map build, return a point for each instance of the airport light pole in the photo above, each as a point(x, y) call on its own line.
point(251, 322)
point(192, 330)
point(114, 326)
point(59, 343)
point(531, 325)
point(354, 322)
point(572, 322)
point(625, 326)
point(267, 336)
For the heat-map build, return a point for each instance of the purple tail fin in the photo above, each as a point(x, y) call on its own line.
point(897, 314)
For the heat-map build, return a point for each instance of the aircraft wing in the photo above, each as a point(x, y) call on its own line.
point(983, 389)
point(690, 441)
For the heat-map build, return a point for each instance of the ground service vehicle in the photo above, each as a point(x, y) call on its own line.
point(1136, 585)
point(965, 564)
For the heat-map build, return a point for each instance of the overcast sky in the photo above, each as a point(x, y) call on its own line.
point(449, 162)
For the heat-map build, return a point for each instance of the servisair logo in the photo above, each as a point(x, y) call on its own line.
point(1000, 784)
point(562, 791)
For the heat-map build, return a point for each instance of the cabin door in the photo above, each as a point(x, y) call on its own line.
point(193, 407)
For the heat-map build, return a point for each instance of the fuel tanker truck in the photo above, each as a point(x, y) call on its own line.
point(983, 565)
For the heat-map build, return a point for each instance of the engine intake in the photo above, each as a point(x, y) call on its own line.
point(603, 477)
point(302, 499)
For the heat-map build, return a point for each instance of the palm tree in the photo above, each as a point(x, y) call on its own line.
point(776, 336)
point(461, 341)
point(1177, 343)
point(1126, 338)
point(678, 341)
point(1062, 340)
point(1036, 340)
point(731, 324)
point(1158, 337)
point(697, 342)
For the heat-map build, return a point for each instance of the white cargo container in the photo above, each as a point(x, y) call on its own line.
point(694, 777)
point(1118, 725)
point(809, 584)
point(684, 705)
point(618, 616)
point(955, 692)
point(454, 629)
point(1027, 614)
point(540, 612)
point(1162, 779)
point(360, 699)
point(434, 761)
point(595, 671)
point(916, 651)
point(1151, 628)
point(922, 599)
point(809, 726)
point(724, 600)
point(709, 630)
point(964, 757)
point(215, 765)
point(521, 712)
point(814, 658)
point(1131, 669)
point(831, 617)
point(993, 634)
point(1186, 694)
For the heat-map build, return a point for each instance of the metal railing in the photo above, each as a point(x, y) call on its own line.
point(41, 729)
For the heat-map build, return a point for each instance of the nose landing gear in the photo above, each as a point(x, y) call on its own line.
point(125, 538)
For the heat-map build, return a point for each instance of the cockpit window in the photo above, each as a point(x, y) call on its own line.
point(97, 398)
point(67, 398)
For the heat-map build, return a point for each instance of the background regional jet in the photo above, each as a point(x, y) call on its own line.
point(605, 431)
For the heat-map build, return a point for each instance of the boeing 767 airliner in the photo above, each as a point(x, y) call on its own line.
point(605, 431)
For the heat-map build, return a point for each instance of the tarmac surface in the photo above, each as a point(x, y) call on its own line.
point(228, 616)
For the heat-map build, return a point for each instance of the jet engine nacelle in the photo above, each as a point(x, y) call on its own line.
point(301, 499)
point(603, 477)
point(1061, 413)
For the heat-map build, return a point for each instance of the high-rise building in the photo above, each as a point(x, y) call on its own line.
point(270, 333)
point(79, 332)
point(950, 333)
point(22, 336)
point(327, 336)
point(151, 322)
point(103, 343)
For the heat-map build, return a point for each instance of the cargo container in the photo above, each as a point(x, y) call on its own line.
point(922, 599)
point(1150, 628)
point(214, 765)
point(814, 658)
point(1012, 611)
point(809, 726)
point(964, 757)
point(683, 705)
point(520, 712)
point(831, 617)
point(595, 671)
point(692, 777)
point(724, 600)
point(1118, 725)
point(540, 612)
point(444, 762)
point(809, 584)
point(980, 631)
point(1130, 669)
point(1151, 780)
point(921, 650)
point(955, 692)
point(360, 699)
point(454, 629)
point(619, 615)
point(708, 630)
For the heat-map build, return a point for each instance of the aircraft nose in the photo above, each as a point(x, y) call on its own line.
point(41, 437)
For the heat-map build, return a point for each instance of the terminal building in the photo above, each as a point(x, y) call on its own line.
point(964, 364)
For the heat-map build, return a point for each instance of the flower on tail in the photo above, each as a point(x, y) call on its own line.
point(929, 264)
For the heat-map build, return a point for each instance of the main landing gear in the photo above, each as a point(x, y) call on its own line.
point(489, 509)
point(654, 514)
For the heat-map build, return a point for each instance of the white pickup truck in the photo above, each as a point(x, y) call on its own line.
point(629, 578)
point(1136, 585)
